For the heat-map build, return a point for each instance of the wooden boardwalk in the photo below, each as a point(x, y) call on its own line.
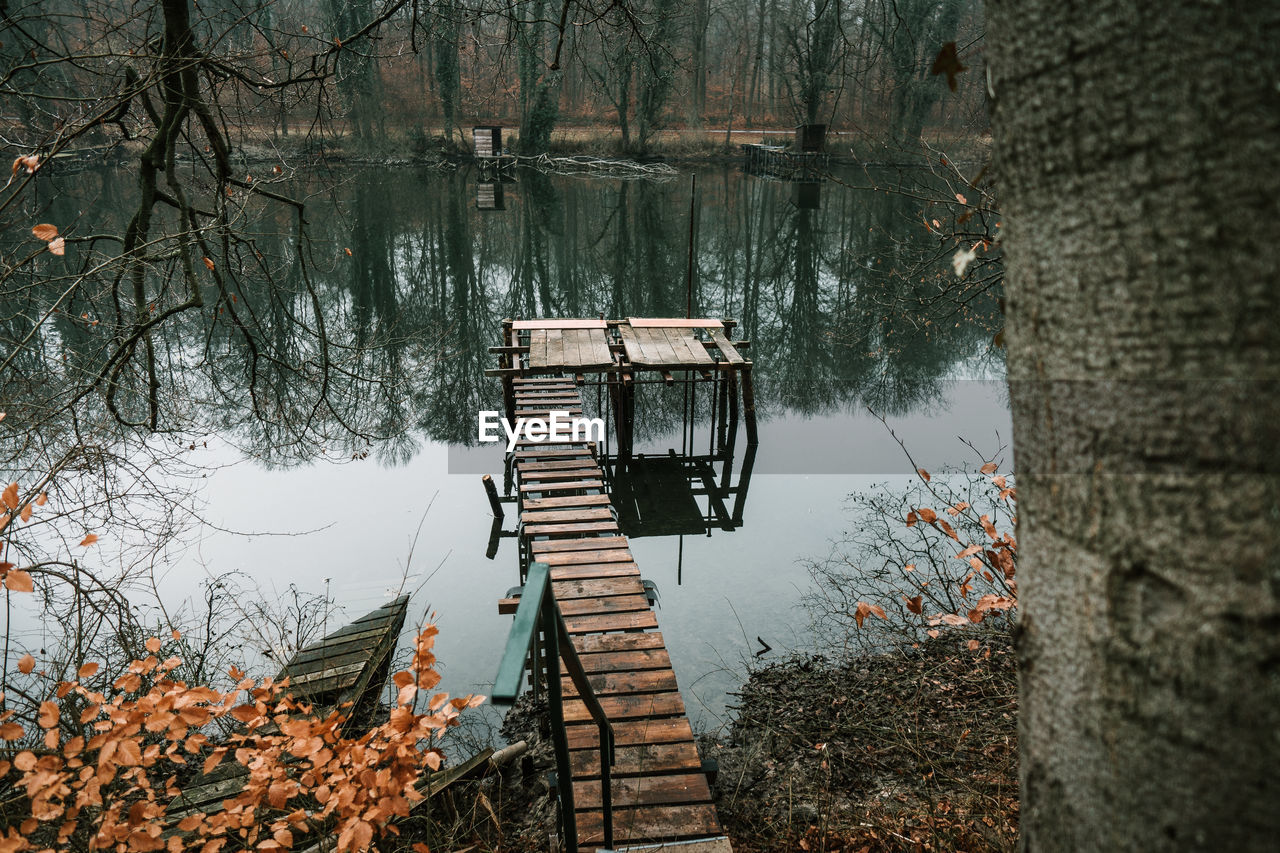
point(659, 790)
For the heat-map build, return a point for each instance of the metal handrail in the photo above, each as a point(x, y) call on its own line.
point(538, 609)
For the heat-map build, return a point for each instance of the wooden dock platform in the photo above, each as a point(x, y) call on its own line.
point(348, 665)
point(660, 792)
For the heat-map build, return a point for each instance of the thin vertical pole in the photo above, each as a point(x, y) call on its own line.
point(688, 278)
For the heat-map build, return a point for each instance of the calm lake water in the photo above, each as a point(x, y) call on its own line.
point(835, 286)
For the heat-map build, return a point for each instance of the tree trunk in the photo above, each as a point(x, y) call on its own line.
point(1139, 184)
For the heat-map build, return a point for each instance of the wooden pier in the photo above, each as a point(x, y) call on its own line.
point(659, 789)
point(660, 792)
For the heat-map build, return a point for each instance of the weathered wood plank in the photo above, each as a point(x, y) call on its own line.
point(635, 621)
point(579, 514)
point(645, 759)
point(585, 558)
point(566, 501)
point(596, 587)
point(671, 789)
point(674, 323)
point(619, 642)
point(651, 823)
point(595, 570)
point(571, 529)
point(571, 486)
point(589, 323)
point(628, 707)
point(624, 683)
point(631, 732)
point(609, 542)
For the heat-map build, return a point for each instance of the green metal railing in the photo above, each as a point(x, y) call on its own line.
point(538, 610)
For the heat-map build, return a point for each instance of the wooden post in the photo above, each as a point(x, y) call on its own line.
point(495, 503)
point(749, 407)
point(508, 360)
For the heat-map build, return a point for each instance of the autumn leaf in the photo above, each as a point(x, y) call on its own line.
point(87, 670)
point(48, 715)
point(348, 251)
point(45, 232)
point(153, 644)
point(88, 540)
point(19, 581)
point(968, 552)
point(915, 605)
point(863, 609)
point(10, 496)
point(58, 246)
point(928, 516)
point(42, 499)
point(11, 731)
point(989, 468)
point(25, 515)
point(208, 263)
point(912, 518)
point(924, 475)
point(973, 645)
point(26, 664)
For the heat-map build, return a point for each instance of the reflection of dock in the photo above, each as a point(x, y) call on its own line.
point(576, 502)
point(784, 163)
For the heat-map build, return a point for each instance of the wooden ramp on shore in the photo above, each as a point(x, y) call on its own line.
point(349, 665)
point(659, 790)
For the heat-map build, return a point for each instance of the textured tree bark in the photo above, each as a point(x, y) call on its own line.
point(1140, 177)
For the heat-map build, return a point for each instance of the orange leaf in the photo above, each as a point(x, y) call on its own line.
point(19, 581)
point(87, 670)
point(928, 516)
point(244, 713)
point(42, 499)
point(26, 664)
point(208, 263)
point(915, 605)
point(10, 496)
point(153, 644)
point(48, 715)
point(878, 611)
point(989, 468)
point(11, 731)
point(88, 540)
point(58, 246)
point(860, 612)
point(973, 645)
point(348, 251)
point(923, 474)
point(912, 519)
point(25, 515)
point(45, 232)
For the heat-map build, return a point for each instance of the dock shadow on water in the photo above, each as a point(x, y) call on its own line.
point(294, 421)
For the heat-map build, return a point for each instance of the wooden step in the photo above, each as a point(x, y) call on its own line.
point(625, 683)
point(575, 529)
point(664, 790)
point(595, 570)
point(651, 823)
point(579, 544)
point(649, 758)
point(634, 621)
point(631, 732)
point(565, 502)
point(627, 707)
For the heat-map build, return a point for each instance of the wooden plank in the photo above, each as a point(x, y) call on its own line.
point(555, 348)
point(573, 529)
point(579, 473)
point(627, 707)
point(633, 621)
point(553, 515)
point(536, 382)
point(631, 732)
point(639, 760)
point(726, 349)
point(684, 339)
point(631, 345)
point(674, 323)
point(572, 358)
point(562, 487)
point(598, 570)
point(567, 501)
point(650, 823)
point(597, 587)
point(585, 558)
point(619, 643)
point(580, 545)
point(625, 683)
point(671, 789)
point(580, 463)
point(590, 323)
point(608, 605)
point(538, 348)
point(553, 453)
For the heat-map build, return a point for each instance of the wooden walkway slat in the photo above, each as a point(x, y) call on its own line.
point(660, 792)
